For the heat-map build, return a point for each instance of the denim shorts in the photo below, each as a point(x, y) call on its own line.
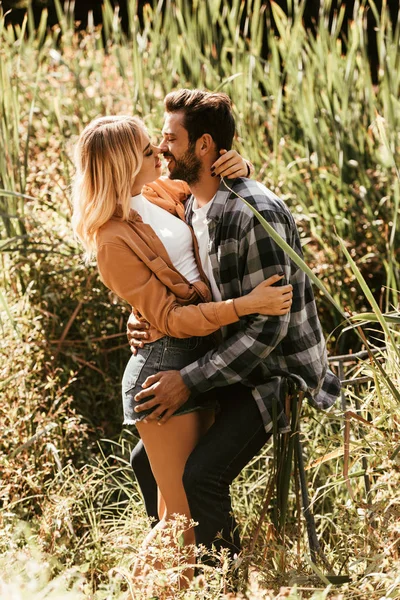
point(164, 355)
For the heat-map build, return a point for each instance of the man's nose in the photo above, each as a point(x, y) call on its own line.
point(163, 147)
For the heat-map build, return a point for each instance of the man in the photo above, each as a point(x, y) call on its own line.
point(257, 355)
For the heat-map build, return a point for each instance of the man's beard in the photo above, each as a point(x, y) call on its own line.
point(187, 168)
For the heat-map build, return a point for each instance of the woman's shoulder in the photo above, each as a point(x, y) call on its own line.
point(112, 231)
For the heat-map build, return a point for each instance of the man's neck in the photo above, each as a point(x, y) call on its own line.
point(205, 189)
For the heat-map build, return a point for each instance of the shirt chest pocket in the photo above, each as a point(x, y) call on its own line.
point(225, 262)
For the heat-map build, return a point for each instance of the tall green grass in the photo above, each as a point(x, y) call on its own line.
point(325, 138)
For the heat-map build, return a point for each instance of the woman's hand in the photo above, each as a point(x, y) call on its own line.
point(266, 299)
point(231, 164)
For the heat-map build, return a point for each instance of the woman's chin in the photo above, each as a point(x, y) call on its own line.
point(156, 175)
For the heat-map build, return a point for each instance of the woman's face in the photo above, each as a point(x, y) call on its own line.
point(151, 166)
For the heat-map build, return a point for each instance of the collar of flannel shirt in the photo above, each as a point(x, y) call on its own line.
point(217, 205)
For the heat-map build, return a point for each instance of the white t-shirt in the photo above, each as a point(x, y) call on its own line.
point(173, 232)
point(200, 228)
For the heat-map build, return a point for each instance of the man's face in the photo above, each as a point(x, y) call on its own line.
point(181, 157)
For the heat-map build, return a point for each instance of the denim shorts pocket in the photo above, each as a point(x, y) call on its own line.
point(183, 344)
point(134, 368)
point(175, 358)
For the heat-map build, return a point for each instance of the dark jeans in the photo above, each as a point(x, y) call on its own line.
point(237, 435)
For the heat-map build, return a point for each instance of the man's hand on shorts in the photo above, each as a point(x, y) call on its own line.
point(137, 332)
point(168, 391)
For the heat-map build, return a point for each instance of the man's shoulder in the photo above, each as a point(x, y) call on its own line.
point(257, 195)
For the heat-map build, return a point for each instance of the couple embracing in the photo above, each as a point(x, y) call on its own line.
point(228, 318)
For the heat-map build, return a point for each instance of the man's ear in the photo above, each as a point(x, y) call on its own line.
point(205, 144)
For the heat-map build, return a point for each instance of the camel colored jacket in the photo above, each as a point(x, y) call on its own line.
point(135, 265)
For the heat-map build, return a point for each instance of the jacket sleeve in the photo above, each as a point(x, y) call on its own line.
point(128, 277)
point(238, 355)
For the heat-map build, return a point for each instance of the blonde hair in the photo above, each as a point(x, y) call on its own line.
point(108, 156)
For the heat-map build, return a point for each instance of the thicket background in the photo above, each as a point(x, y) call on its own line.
point(324, 135)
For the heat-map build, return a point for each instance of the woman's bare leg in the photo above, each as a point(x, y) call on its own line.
point(168, 448)
point(161, 506)
point(207, 418)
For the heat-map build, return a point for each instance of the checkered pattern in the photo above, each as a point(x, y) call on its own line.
point(261, 352)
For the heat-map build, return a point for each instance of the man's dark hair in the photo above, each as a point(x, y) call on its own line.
point(204, 112)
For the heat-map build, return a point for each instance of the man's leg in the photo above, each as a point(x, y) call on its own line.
point(145, 478)
point(237, 435)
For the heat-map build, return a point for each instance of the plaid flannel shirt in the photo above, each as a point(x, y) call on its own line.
point(261, 352)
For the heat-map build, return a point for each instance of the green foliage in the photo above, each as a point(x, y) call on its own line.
point(325, 138)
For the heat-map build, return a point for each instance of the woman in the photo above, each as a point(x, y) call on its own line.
point(134, 222)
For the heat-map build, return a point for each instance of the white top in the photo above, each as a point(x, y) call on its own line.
point(173, 232)
point(200, 228)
